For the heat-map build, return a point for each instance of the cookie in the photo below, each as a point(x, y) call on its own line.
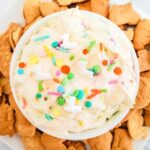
point(5, 59)
point(100, 6)
point(6, 120)
point(135, 126)
point(122, 140)
point(48, 8)
point(142, 34)
point(31, 10)
point(33, 143)
point(143, 97)
point(144, 60)
point(123, 14)
point(102, 142)
point(52, 143)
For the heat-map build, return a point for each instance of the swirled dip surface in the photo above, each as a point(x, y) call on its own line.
point(74, 73)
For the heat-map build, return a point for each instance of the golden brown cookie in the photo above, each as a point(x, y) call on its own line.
point(122, 140)
point(143, 97)
point(102, 142)
point(14, 36)
point(135, 126)
point(22, 126)
point(68, 2)
point(144, 60)
point(52, 143)
point(33, 143)
point(123, 14)
point(48, 8)
point(12, 102)
point(4, 43)
point(85, 5)
point(142, 34)
point(100, 6)
point(31, 10)
point(5, 84)
point(5, 59)
point(6, 120)
point(129, 33)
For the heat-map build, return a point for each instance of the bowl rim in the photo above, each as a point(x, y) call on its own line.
point(88, 133)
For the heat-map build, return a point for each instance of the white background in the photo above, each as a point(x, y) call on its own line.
point(5, 9)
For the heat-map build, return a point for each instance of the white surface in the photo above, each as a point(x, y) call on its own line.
point(9, 6)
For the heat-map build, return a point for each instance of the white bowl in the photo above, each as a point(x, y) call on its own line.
point(89, 133)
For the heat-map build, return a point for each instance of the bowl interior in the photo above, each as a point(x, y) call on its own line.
point(89, 133)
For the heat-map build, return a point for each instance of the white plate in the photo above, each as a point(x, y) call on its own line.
point(15, 7)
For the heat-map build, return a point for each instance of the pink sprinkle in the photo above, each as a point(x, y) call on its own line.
point(59, 44)
point(55, 93)
point(24, 103)
point(58, 73)
point(111, 61)
point(113, 82)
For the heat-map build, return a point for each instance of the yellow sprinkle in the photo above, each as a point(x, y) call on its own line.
point(77, 102)
point(33, 59)
point(81, 123)
point(56, 112)
point(86, 91)
point(48, 52)
point(59, 62)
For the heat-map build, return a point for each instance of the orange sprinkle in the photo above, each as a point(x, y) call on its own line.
point(117, 71)
point(56, 80)
point(92, 95)
point(65, 69)
point(105, 62)
point(85, 51)
point(22, 65)
point(96, 90)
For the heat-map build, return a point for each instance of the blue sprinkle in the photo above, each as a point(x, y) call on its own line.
point(60, 89)
point(20, 71)
point(54, 44)
point(80, 95)
point(42, 38)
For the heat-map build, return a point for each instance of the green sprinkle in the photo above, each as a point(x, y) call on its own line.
point(88, 104)
point(104, 90)
point(72, 57)
point(42, 38)
point(54, 44)
point(40, 87)
point(64, 81)
point(48, 117)
point(38, 95)
point(91, 45)
point(76, 93)
point(110, 67)
point(96, 69)
point(70, 75)
point(60, 101)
